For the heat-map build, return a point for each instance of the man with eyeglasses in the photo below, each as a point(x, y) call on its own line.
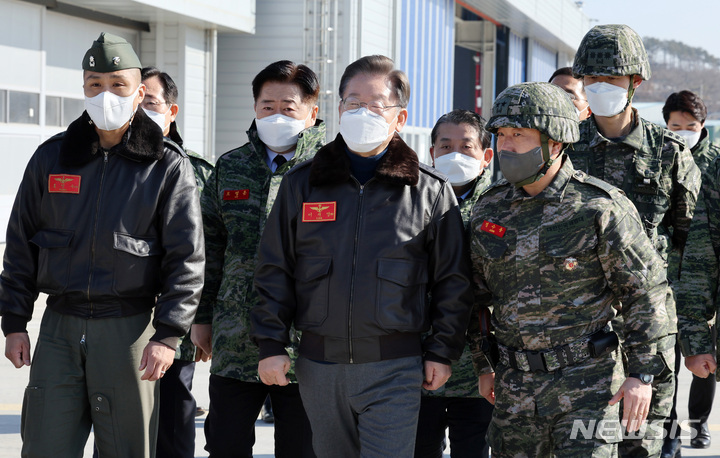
point(176, 424)
point(574, 87)
point(364, 251)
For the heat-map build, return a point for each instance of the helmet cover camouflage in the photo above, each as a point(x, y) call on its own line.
point(540, 106)
point(611, 50)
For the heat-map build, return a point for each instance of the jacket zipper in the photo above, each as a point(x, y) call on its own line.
point(94, 237)
point(352, 278)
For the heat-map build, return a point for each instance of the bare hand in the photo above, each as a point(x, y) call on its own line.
point(701, 365)
point(17, 349)
point(637, 397)
point(436, 374)
point(201, 355)
point(273, 370)
point(156, 359)
point(486, 386)
point(201, 336)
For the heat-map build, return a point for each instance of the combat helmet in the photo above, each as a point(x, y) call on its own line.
point(544, 107)
point(611, 50)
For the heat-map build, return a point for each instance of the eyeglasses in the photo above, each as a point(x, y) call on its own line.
point(153, 104)
point(353, 105)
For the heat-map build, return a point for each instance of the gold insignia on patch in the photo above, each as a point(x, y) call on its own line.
point(116, 60)
point(91, 61)
point(571, 264)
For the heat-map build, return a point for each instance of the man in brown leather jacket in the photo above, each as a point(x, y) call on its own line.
point(363, 252)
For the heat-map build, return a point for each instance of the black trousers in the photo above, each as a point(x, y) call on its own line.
point(702, 394)
point(176, 429)
point(234, 408)
point(468, 420)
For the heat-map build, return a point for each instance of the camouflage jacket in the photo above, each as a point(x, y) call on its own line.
point(464, 383)
point(711, 192)
point(657, 173)
point(236, 202)
point(552, 268)
point(696, 286)
point(202, 168)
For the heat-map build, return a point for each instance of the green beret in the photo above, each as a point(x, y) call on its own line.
point(110, 53)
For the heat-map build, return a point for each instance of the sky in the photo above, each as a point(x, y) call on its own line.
point(693, 22)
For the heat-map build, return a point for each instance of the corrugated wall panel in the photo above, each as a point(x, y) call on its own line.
point(543, 62)
point(516, 63)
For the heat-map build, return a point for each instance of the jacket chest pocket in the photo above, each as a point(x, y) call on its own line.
point(312, 287)
point(572, 267)
point(53, 259)
point(650, 190)
point(401, 294)
point(494, 256)
point(137, 265)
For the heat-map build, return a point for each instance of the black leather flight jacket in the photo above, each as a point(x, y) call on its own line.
point(363, 270)
point(106, 233)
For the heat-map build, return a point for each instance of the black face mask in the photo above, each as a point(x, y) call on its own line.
point(521, 169)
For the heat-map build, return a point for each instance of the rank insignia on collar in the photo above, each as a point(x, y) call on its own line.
point(318, 212)
point(64, 184)
point(571, 264)
point(492, 228)
point(236, 194)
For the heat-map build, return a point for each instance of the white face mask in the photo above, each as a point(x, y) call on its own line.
point(363, 130)
point(110, 111)
point(280, 132)
point(157, 118)
point(460, 168)
point(691, 137)
point(606, 99)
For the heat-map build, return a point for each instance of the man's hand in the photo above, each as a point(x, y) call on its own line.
point(701, 365)
point(486, 386)
point(156, 359)
point(201, 336)
point(272, 370)
point(17, 349)
point(436, 374)
point(637, 397)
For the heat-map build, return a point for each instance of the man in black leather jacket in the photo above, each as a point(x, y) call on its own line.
point(107, 222)
point(363, 251)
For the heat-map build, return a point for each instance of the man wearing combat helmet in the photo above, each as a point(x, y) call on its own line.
point(650, 164)
point(553, 252)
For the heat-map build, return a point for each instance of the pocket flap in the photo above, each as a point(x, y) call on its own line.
point(138, 246)
point(489, 246)
point(402, 272)
point(52, 238)
point(309, 269)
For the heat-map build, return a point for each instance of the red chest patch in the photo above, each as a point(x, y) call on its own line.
point(236, 194)
point(318, 212)
point(64, 184)
point(492, 228)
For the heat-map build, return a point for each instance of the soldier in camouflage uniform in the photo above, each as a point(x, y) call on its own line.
point(705, 364)
point(554, 251)
point(461, 150)
point(236, 202)
point(696, 288)
point(649, 163)
point(176, 425)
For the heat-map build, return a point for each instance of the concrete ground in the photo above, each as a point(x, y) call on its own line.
point(13, 381)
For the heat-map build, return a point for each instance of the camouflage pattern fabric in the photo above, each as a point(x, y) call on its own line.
point(552, 268)
point(541, 106)
point(464, 383)
point(611, 50)
point(236, 202)
point(657, 173)
point(696, 288)
point(202, 168)
point(711, 192)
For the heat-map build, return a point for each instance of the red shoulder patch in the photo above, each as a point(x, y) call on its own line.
point(492, 228)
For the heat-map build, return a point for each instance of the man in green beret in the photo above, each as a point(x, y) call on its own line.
point(107, 223)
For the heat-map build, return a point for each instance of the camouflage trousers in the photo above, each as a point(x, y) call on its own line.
point(661, 405)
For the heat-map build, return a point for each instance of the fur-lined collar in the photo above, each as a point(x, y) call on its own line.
point(142, 142)
point(399, 165)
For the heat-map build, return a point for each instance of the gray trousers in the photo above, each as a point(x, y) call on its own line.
point(85, 373)
point(362, 410)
